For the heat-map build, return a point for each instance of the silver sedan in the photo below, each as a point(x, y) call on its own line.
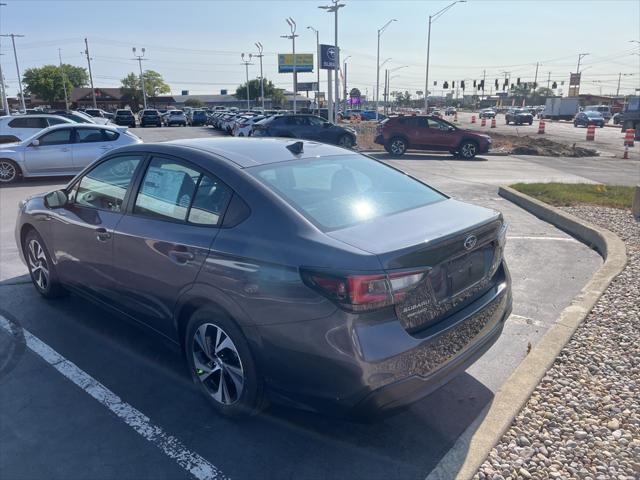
point(60, 150)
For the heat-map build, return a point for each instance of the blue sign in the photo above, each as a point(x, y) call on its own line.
point(329, 57)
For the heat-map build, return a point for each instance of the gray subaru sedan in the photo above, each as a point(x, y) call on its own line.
point(286, 270)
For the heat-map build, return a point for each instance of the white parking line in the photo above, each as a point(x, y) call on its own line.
point(171, 446)
point(533, 237)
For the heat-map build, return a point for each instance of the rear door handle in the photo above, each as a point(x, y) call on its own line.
point(102, 234)
point(179, 254)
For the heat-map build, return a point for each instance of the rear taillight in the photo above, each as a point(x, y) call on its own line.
point(363, 292)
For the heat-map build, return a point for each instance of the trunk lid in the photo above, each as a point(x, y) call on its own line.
point(456, 243)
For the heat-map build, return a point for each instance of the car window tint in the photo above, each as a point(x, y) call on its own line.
point(167, 190)
point(316, 121)
point(28, 122)
point(57, 137)
point(339, 191)
point(433, 123)
point(209, 202)
point(110, 136)
point(105, 186)
point(89, 135)
point(296, 121)
point(55, 121)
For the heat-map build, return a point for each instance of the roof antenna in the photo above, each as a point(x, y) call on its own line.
point(296, 148)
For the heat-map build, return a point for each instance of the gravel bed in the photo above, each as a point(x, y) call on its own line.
point(583, 419)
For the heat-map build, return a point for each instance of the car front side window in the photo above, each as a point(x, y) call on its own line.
point(62, 136)
point(105, 186)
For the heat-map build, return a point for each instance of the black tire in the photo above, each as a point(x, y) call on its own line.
point(575, 124)
point(10, 171)
point(397, 146)
point(531, 122)
point(346, 141)
point(468, 149)
point(41, 268)
point(243, 401)
point(507, 121)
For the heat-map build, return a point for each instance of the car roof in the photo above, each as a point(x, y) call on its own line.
point(250, 152)
point(36, 115)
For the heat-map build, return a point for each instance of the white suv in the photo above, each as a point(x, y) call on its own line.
point(19, 127)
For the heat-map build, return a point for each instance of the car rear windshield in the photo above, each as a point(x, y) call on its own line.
point(343, 190)
point(124, 112)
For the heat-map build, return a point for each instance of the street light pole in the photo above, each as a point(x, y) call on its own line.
point(580, 57)
point(292, 37)
point(15, 56)
point(5, 103)
point(344, 83)
point(246, 68)
point(433, 18)
point(334, 9)
point(260, 55)
point(318, 66)
point(380, 31)
point(140, 59)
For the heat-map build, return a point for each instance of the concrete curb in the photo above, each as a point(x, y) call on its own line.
point(472, 447)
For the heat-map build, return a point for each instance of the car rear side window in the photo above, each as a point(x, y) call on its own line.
point(105, 186)
point(28, 122)
point(89, 135)
point(339, 191)
point(210, 201)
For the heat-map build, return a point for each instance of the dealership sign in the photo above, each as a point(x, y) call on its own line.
point(307, 86)
point(329, 57)
point(304, 62)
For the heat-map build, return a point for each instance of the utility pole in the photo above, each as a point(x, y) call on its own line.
point(484, 77)
point(549, 80)
point(5, 103)
point(246, 68)
point(535, 79)
point(292, 37)
point(344, 83)
point(334, 9)
point(15, 56)
point(577, 87)
point(260, 55)
point(93, 91)
point(139, 59)
point(64, 81)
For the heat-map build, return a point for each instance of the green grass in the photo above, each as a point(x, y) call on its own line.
point(562, 194)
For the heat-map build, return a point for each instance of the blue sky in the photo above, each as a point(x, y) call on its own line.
point(196, 45)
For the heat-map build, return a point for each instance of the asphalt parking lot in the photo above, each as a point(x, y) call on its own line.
point(152, 423)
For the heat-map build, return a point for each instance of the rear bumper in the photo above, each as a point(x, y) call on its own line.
point(346, 364)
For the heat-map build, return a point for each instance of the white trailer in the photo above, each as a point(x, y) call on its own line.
point(561, 108)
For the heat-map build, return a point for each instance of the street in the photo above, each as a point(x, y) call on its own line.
point(71, 435)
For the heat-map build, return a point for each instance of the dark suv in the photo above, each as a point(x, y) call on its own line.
point(124, 117)
point(150, 117)
point(308, 127)
point(397, 134)
point(518, 116)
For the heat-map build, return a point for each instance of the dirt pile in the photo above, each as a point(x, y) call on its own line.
point(526, 145)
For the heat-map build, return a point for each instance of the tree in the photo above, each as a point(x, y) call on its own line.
point(131, 88)
point(270, 91)
point(46, 82)
point(193, 102)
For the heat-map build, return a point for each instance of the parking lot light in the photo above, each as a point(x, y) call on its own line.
point(318, 66)
point(333, 8)
point(380, 31)
point(292, 37)
point(260, 55)
point(246, 64)
point(433, 18)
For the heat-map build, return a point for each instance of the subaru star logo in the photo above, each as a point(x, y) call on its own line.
point(470, 242)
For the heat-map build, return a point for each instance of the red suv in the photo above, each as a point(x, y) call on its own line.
point(397, 134)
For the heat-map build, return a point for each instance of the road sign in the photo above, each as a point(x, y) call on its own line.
point(329, 57)
point(304, 62)
point(307, 86)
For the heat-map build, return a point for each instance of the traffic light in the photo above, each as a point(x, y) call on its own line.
point(445, 85)
point(474, 84)
point(435, 83)
point(554, 85)
point(496, 84)
point(482, 84)
point(462, 84)
point(518, 82)
point(453, 84)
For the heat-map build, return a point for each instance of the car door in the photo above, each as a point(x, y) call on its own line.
point(441, 135)
point(52, 154)
point(318, 130)
point(91, 143)
point(163, 240)
point(82, 230)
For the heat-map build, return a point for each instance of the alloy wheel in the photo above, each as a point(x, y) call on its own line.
point(7, 171)
point(38, 264)
point(217, 363)
point(468, 150)
point(397, 147)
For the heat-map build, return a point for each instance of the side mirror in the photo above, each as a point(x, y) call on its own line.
point(452, 129)
point(35, 143)
point(56, 199)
